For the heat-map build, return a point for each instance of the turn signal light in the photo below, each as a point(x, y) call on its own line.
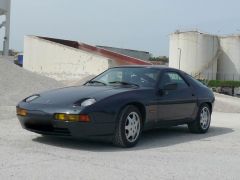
point(72, 117)
point(84, 118)
point(21, 112)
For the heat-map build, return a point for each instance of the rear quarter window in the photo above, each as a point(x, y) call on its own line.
point(199, 83)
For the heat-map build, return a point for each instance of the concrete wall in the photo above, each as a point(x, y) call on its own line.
point(59, 61)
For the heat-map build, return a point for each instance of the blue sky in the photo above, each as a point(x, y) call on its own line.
point(136, 24)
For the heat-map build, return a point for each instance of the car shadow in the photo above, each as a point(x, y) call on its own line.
point(151, 139)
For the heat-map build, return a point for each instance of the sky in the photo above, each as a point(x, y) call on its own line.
point(133, 24)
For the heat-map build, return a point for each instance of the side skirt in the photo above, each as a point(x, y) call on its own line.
point(169, 123)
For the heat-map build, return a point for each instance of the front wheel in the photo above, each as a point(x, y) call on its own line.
point(128, 128)
point(202, 123)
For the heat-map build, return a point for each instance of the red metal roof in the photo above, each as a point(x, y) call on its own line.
point(120, 58)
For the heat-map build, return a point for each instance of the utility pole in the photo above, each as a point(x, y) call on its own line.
point(5, 6)
point(7, 35)
point(180, 56)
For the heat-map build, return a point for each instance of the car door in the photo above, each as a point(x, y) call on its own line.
point(177, 104)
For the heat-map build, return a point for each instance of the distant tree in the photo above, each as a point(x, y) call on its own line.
point(160, 58)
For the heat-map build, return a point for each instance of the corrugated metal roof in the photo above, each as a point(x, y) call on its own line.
point(121, 58)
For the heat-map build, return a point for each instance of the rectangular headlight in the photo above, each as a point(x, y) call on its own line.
point(21, 112)
point(72, 117)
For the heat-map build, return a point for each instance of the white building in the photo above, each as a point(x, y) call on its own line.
point(69, 60)
point(205, 56)
point(229, 61)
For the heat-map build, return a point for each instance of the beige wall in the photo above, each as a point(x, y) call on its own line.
point(60, 62)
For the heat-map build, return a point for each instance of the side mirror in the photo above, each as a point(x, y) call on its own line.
point(170, 87)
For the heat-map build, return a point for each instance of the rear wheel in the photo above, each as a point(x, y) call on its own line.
point(129, 127)
point(202, 123)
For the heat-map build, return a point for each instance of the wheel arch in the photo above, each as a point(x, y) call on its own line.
point(140, 107)
point(209, 104)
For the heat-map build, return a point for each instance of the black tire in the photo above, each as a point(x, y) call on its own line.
point(196, 126)
point(120, 139)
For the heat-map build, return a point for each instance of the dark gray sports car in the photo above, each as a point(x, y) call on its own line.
point(120, 103)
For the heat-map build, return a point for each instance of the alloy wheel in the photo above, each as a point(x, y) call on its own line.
point(132, 127)
point(205, 118)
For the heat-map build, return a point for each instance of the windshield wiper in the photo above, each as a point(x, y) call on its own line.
point(123, 83)
point(95, 81)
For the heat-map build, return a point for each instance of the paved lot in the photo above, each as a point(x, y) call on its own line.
point(164, 154)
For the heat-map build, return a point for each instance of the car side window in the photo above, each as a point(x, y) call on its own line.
point(173, 77)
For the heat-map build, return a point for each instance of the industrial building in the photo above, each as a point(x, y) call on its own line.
point(5, 11)
point(206, 56)
point(69, 60)
point(143, 55)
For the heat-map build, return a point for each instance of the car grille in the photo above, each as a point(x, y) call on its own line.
point(63, 131)
point(48, 129)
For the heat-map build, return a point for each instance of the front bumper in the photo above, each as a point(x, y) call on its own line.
point(44, 123)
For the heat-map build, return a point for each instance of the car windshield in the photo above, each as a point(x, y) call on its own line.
point(140, 77)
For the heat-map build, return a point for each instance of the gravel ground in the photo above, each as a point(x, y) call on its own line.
point(161, 154)
point(17, 83)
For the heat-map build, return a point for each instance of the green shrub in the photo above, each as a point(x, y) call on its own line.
point(218, 83)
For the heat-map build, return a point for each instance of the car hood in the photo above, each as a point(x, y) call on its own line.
point(70, 95)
